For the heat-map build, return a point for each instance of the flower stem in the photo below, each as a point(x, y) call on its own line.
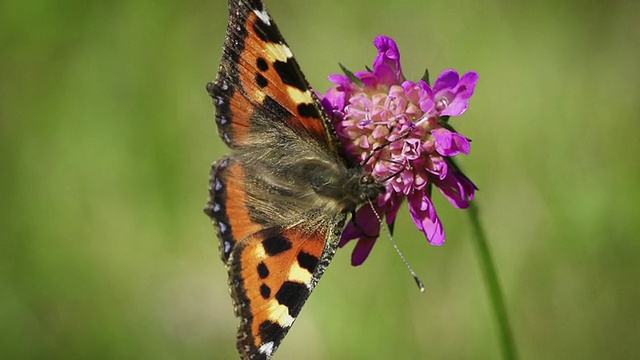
point(493, 285)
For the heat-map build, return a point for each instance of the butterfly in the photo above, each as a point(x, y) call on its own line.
point(280, 200)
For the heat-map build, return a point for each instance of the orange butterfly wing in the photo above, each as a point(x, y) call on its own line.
point(259, 73)
point(272, 268)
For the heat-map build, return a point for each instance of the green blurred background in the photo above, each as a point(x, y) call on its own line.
point(107, 135)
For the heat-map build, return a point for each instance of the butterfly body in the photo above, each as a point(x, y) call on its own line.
point(280, 200)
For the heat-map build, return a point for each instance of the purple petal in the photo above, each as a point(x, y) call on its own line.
point(362, 250)
point(456, 108)
point(450, 143)
point(462, 143)
point(426, 88)
point(368, 224)
point(413, 92)
point(425, 217)
point(334, 100)
point(349, 233)
point(447, 80)
point(336, 97)
point(457, 188)
point(436, 165)
point(386, 66)
point(469, 80)
point(444, 142)
point(341, 80)
point(468, 186)
point(368, 221)
point(461, 94)
point(427, 98)
point(392, 210)
point(368, 78)
point(428, 106)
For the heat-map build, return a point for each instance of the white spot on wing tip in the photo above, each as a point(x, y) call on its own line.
point(263, 16)
point(286, 51)
point(267, 348)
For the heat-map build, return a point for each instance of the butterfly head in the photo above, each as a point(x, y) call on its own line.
point(370, 188)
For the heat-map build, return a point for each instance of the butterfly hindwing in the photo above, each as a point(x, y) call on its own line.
point(273, 266)
point(275, 271)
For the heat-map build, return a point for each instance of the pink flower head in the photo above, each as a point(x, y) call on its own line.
point(403, 126)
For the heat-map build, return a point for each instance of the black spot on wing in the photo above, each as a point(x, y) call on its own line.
point(308, 110)
point(292, 295)
point(276, 244)
point(289, 73)
point(307, 261)
point(265, 291)
point(263, 270)
point(270, 331)
point(262, 64)
point(261, 81)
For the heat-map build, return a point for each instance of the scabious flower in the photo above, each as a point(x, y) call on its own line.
point(403, 127)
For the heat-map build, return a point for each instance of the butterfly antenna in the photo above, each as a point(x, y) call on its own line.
point(395, 246)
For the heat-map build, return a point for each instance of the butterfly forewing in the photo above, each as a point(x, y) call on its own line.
point(258, 71)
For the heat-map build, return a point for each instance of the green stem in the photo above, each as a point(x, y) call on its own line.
point(493, 286)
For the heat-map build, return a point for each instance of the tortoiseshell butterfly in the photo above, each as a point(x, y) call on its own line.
point(279, 202)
